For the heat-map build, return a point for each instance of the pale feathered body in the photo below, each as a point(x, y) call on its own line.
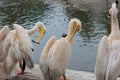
point(57, 59)
point(102, 59)
point(108, 56)
point(56, 54)
point(4, 31)
point(113, 67)
point(16, 46)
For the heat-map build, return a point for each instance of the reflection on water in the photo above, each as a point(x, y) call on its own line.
point(55, 15)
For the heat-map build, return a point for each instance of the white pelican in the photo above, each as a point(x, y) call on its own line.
point(17, 46)
point(56, 54)
point(108, 56)
point(42, 29)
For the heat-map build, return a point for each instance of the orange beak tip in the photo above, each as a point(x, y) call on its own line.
point(37, 43)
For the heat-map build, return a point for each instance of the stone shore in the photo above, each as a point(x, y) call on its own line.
point(35, 74)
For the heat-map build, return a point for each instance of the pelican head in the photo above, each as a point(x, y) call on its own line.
point(39, 25)
point(74, 25)
point(42, 31)
point(113, 14)
point(113, 10)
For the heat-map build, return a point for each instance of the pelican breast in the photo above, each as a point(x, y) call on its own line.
point(59, 55)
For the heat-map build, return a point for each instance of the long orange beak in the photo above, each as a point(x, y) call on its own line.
point(41, 33)
point(79, 28)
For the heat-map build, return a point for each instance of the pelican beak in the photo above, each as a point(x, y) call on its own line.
point(78, 27)
point(117, 2)
point(41, 33)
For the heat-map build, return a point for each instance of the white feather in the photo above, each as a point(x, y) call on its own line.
point(43, 60)
point(17, 45)
point(102, 59)
point(114, 60)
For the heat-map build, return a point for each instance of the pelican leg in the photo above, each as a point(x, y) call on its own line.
point(22, 67)
point(64, 77)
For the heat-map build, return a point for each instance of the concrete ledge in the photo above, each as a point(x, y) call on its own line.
point(35, 74)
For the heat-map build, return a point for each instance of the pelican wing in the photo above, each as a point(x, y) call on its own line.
point(3, 33)
point(43, 65)
point(24, 45)
point(102, 59)
point(8, 65)
point(59, 58)
point(5, 30)
point(17, 45)
point(113, 67)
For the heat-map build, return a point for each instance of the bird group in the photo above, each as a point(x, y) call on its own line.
point(16, 50)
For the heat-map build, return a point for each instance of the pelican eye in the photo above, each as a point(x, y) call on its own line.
point(32, 49)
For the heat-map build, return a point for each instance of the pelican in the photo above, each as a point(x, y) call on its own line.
point(108, 56)
point(17, 46)
point(56, 54)
point(42, 29)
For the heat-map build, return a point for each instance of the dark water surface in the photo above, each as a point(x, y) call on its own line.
point(55, 15)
